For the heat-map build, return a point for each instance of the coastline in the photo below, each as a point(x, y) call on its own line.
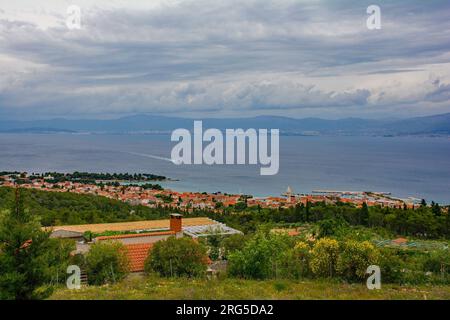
point(148, 193)
point(416, 167)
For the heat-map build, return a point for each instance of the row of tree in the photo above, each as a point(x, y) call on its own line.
point(424, 222)
point(57, 208)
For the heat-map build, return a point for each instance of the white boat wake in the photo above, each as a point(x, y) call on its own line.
point(150, 156)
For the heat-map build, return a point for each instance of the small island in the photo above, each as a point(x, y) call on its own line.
point(82, 177)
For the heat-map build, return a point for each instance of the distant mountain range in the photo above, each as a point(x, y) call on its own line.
point(429, 125)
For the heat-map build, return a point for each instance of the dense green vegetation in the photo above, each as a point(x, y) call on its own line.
point(81, 177)
point(105, 263)
point(174, 257)
point(147, 186)
point(59, 208)
point(336, 242)
point(77, 176)
point(425, 222)
point(29, 260)
point(267, 255)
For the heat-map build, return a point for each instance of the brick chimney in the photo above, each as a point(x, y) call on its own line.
point(176, 222)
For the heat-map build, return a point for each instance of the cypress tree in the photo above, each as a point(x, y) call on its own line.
point(364, 215)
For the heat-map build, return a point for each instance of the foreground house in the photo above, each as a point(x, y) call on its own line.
point(138, 237)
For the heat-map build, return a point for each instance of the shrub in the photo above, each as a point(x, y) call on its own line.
point(436, 266)
point(213, 242)
point(106, 262)
point(261, 256)
point(329, 227)
point(437, 262)
point(324, 257)
point(295, 261)
point(59, 255)
point(233, 243)
point(177, 257)
point(354, 259)
point(391, 265)
point(411, 266)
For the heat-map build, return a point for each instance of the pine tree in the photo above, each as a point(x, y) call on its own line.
point(308, 206)
point(436, 209)
point(364, 215)
point(24, 269)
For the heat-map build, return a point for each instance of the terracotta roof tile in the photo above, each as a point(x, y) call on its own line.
point(137, 253)
point(400, 241)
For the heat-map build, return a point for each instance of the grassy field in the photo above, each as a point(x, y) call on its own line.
point(138, 287)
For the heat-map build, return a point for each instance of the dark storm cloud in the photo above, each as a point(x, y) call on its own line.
point(231, 55)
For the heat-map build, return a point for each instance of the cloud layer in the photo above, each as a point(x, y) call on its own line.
point(230, 57)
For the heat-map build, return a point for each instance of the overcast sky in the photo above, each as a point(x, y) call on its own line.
point(224, 58)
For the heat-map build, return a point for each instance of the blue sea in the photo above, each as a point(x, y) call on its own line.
point(404, 166)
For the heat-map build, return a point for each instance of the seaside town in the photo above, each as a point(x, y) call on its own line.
point(137, 191)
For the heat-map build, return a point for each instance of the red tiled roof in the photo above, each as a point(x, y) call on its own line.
point(26, 244)
point(293, 233)
point(400, 241)
point(137, 253)
point(136, 235)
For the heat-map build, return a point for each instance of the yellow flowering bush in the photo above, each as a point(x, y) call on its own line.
point(324, 257)
point(354, 259)
point(301, 246)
